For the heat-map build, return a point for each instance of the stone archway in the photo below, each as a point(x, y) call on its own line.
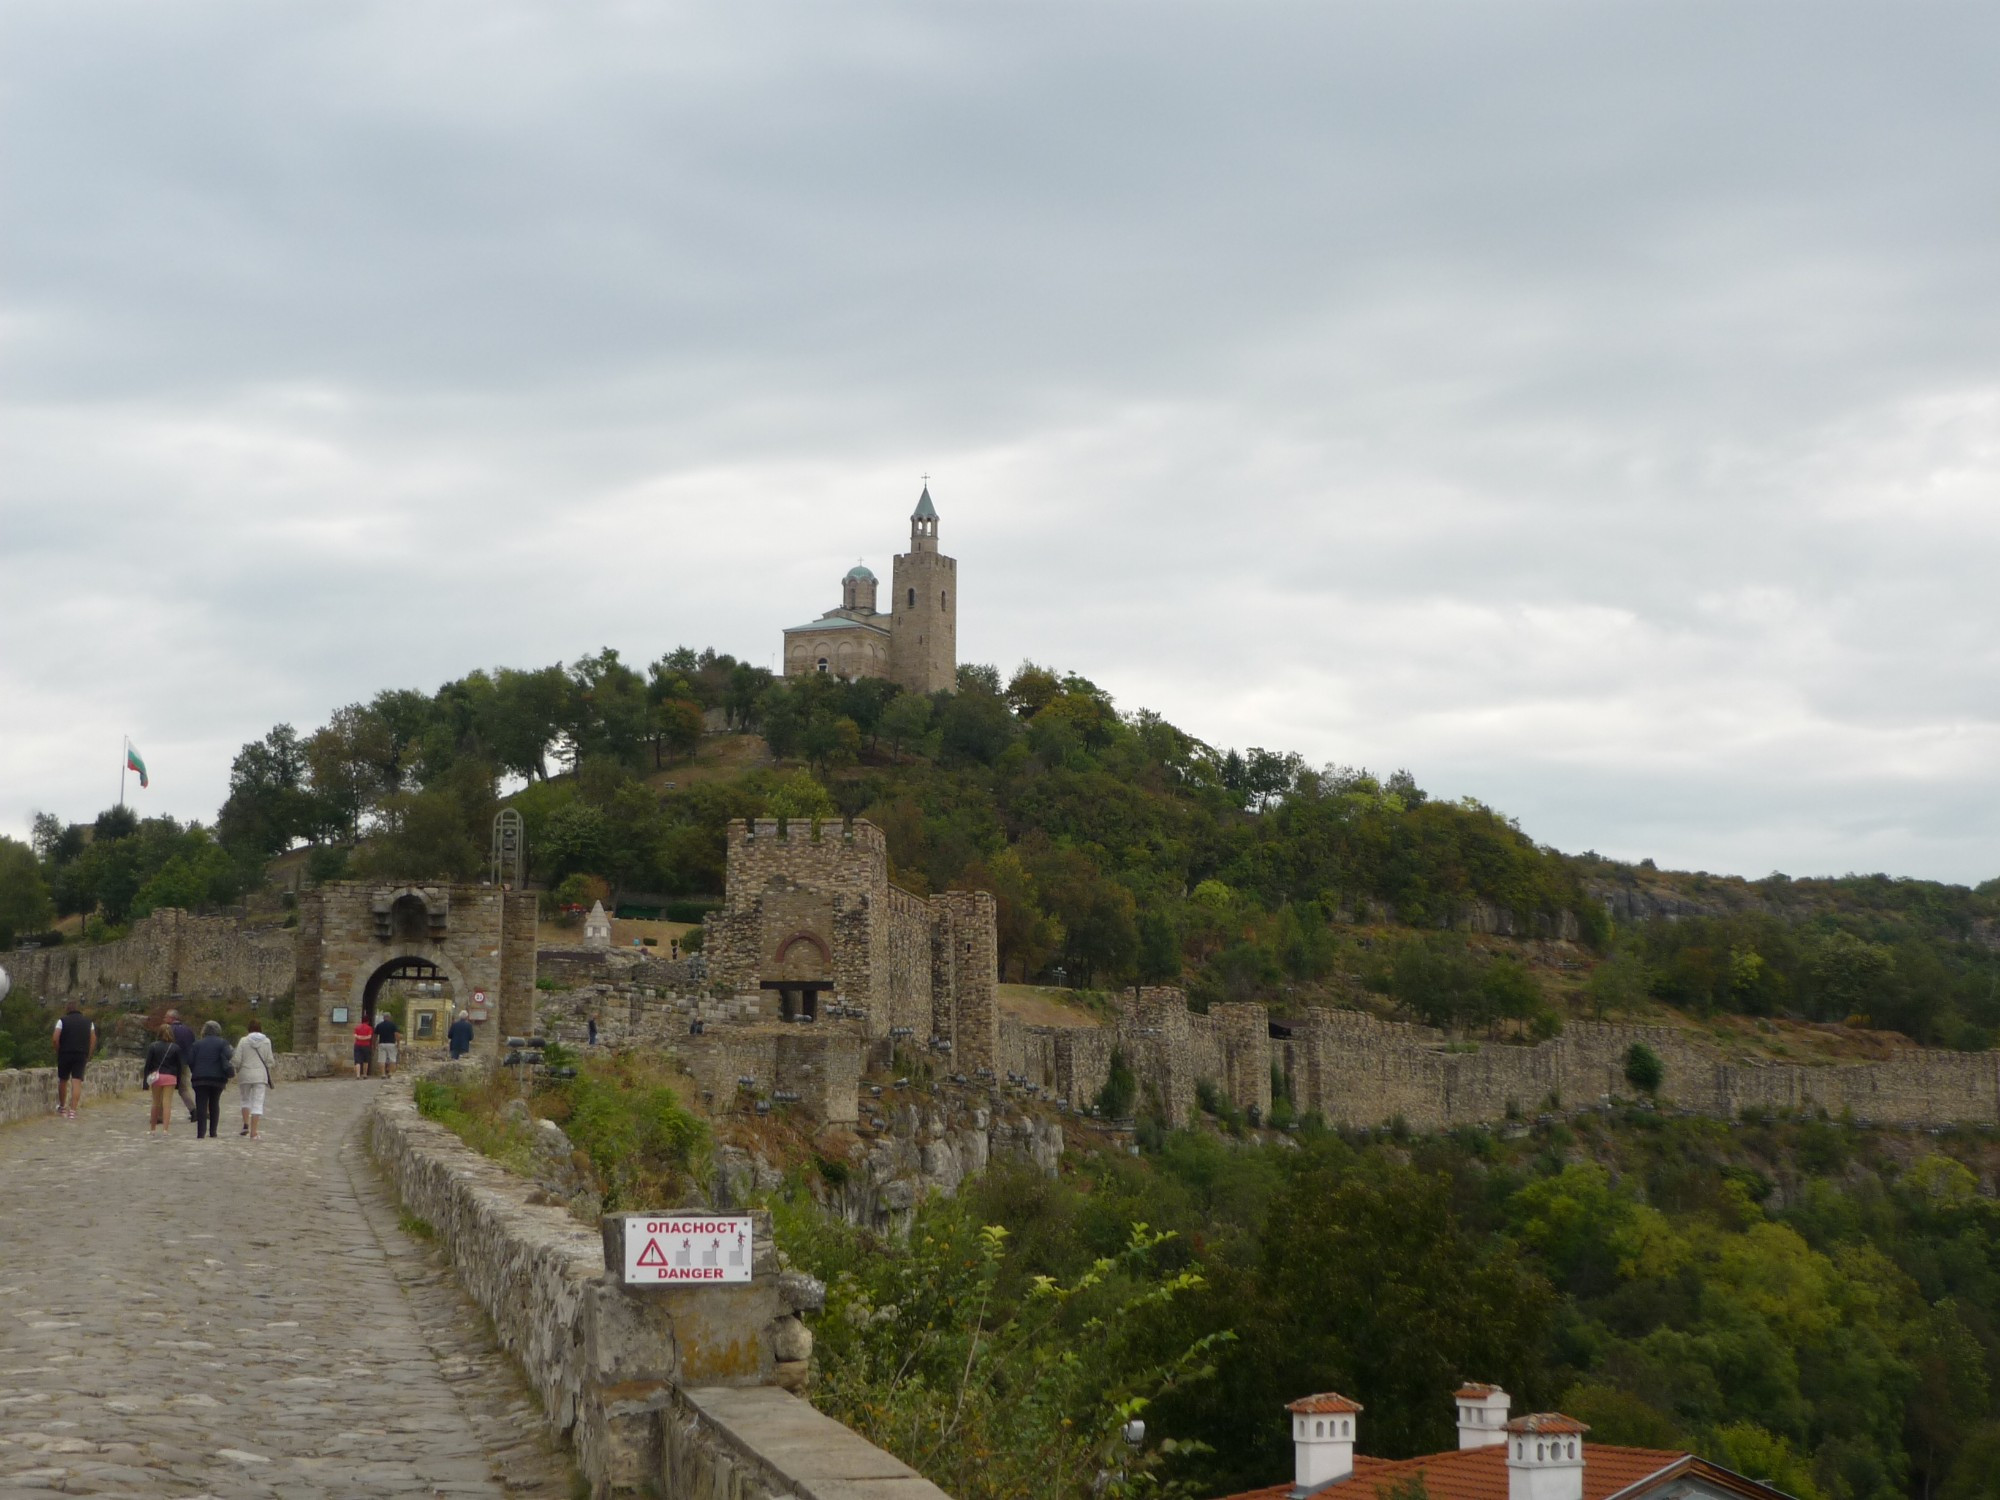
point(802, 975)
point(353, 935)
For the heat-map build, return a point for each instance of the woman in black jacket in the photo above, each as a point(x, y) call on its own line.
point(209, 1067)
point(161, 1074)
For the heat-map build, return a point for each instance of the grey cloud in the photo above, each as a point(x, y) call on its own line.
point(1592, 408)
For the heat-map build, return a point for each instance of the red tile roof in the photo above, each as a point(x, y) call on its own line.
point(1322, 1404)
point(1472, 1390)
point(1481, 1474)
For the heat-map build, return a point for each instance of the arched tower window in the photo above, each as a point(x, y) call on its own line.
point(913, 598)
point(941, 600)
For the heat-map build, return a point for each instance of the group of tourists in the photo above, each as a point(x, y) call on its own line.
point(376, 1042)
point(199, 1068)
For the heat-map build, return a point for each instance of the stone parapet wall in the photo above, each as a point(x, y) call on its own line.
point(166, 952)
point(665, 1390)
point(764, 1445)
point(30, 1093)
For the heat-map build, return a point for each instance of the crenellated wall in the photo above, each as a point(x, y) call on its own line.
point(811, 906)
point(1354, 1069)
point(166, 952)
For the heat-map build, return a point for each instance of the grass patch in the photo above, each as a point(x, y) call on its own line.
point(414, 1227)
point(643, 1148)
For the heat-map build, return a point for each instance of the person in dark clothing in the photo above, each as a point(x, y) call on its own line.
point(460, 1036)
point(386, 1034)
point(183, 1039)
point(209, 1065)
point(161, 1073)
point(76, 1042)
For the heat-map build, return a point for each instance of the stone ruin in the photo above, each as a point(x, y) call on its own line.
point(814, 968)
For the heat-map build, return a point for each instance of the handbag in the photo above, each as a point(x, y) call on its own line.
point(153, 1079)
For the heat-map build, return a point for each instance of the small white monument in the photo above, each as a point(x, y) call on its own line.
point(597, 927)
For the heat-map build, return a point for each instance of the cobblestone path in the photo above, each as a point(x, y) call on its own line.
point(229, 1319)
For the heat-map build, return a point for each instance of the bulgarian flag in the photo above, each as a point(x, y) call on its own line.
point(133, 762)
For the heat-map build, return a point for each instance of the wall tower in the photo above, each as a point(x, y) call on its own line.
point(923, 605)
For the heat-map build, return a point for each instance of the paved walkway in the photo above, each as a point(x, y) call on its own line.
point(229, 1319)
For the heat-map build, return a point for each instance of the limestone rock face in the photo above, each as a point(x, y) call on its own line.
point(926, 1144)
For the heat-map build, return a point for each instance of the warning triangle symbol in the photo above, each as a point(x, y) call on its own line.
point(652, 1255)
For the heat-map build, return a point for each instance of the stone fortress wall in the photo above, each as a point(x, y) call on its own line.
point(1354, 1069)
point(480, 938)
point(167, 952)
point(810, 912)
point(814, 905)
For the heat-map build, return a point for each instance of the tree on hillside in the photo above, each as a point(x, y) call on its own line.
point(525, 715)
point(1028, 936)
point(25, 905)
point(352, 762)
point(607, 710)
point(1368, 1281)
point(268, 808)
point(905, 721)
point(1099, 916)
point(831, 741)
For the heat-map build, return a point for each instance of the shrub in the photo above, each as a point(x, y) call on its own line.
point(1121, 1088)
point(1643, 1068)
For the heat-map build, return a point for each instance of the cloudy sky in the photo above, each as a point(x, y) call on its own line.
point(1593, 408)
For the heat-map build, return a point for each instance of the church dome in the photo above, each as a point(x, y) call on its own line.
point(860, 574)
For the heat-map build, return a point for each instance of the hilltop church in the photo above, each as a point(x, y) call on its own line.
point(914, 643)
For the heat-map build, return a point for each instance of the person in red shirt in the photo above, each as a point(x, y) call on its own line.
point(364, 1045)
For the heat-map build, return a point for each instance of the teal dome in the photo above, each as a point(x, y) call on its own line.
point(859, 574)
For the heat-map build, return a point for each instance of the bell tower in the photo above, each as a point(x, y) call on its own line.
point(923, 609)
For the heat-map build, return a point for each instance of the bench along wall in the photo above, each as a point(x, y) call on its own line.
point(669, 1390)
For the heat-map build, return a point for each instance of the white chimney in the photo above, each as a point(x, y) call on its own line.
point(1322, 1439)
point(1482, 1415)
point(1545, 1457)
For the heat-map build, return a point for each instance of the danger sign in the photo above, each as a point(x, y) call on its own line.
point(711, 1248)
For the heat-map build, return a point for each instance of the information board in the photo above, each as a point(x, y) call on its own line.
point(712, 1248)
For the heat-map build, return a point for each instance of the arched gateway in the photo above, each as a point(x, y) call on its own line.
point(472, 946)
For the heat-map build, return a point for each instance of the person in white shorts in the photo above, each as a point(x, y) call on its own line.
point(255, 1067)
point(386, 1033)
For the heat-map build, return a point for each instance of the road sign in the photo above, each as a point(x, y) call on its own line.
point(713, 1249)
point(479, 1005)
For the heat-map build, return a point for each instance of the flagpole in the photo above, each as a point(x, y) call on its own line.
point(124, 759)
